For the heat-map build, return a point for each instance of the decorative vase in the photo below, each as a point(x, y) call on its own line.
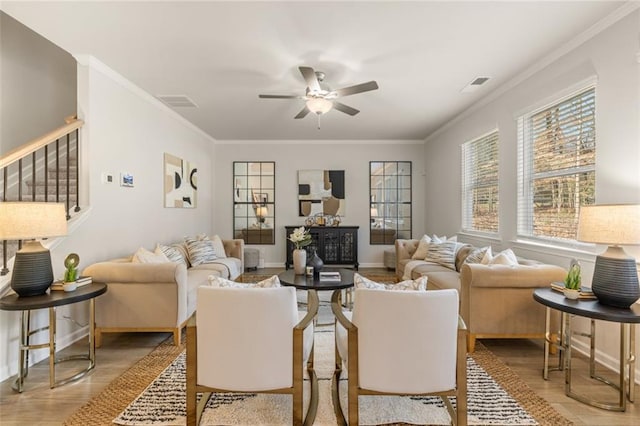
point(299, 261)
point(315, 262)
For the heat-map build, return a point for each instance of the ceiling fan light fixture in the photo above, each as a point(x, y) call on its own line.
point(319, 105)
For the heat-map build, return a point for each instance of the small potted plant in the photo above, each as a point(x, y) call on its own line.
point(572, 281)
point(71, 272)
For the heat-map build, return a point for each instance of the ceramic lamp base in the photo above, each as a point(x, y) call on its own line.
point(32, 271)
point(615, 281)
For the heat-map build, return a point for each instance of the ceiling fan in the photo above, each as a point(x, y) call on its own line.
point(320, 98)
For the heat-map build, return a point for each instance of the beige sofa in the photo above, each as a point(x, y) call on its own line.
point(155, 296)
point(496, 301)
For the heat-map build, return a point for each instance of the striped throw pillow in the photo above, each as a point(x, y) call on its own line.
point(476, 255)
point(443, 253)
point(200, 250)
point(174, 253)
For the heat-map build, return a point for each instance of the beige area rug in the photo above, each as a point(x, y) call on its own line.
point(104, 408)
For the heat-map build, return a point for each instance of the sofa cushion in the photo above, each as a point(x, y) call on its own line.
point(229, 268)
point(427, 268)
point(505, 257)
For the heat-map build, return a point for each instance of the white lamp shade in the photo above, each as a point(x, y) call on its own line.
point(319, 105)
point(374, 211)
point(610, 224)
point(262, 212)
point(27, 220)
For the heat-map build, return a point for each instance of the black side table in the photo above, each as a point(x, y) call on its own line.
point(592, 309)
point(52, 300)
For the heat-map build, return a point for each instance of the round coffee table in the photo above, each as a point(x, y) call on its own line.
point(313, 284)
point(307, 282)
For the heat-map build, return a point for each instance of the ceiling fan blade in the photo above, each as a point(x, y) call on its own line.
point(345, 108)
point(358, 88)
point(280, 97)
point(310, 77)
point(303, 113)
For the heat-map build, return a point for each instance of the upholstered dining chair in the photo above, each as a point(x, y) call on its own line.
point(250, 340)
point(401, 343)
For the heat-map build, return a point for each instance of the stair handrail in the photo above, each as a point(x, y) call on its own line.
point(39, 142)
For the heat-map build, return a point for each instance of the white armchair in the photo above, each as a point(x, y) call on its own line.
point(223, 338)
point(420, 331)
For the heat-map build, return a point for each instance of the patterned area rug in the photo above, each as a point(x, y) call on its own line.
point(163, 402)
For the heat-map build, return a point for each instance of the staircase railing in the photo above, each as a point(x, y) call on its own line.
point(42, 170)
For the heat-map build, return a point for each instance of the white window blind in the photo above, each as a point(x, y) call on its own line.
point(480, 184)
point(556, 166)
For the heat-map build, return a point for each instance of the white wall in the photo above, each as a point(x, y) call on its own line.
point(613, 57)
point(127, 130)
point(37, 90)
point(290, 156)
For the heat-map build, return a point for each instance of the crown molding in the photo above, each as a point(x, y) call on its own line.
point(606, 22)
point(97, 65)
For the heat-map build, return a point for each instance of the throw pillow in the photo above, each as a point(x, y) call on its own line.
point(173, 254)
point(200, 250)
point(218, 247)
point(421, 251)
point(505, 257)
point(142, 255)
point(270, 282)
point(476, 255)
point(362, 282)
point(443, 253)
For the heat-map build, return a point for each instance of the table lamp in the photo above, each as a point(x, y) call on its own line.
point(373, 214)
point(615, 276)
point(261, 213)
point(32, 271)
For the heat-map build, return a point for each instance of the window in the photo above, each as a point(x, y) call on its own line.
point(254, 197)
point(480, 184)
point(390, 201)
point(556, 166)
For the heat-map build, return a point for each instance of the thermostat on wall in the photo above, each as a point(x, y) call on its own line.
point(107, 177)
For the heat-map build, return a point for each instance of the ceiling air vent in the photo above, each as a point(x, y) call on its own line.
point(475, 84)
point(177, 101)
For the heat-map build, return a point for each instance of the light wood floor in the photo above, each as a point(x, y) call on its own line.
point(39, 405)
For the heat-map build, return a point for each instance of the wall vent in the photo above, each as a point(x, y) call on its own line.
point(177, 101)
point(475, 84)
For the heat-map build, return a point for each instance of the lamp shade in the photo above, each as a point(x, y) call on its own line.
point(262, 212)
point(319, 105)
point(610, 224)
point(27, 220)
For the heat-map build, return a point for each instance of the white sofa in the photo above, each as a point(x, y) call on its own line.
point(144, 297)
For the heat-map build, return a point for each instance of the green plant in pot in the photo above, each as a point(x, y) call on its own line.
point(573, 280)
point(71, 268)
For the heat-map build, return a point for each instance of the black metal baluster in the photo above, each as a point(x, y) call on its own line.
point(46, 173)
point(33, 176)
point(4, 270)
point(68, 177)
point(57, 170)
point(77, 209)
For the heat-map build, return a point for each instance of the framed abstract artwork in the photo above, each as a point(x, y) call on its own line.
point(321, 191)
point(180, 183)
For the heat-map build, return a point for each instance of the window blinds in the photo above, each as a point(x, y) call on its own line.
point(556, 166)
point(480, 184)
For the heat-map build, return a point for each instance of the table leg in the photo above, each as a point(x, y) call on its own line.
point(52, 347)
point(632, 362)
point(23, 352)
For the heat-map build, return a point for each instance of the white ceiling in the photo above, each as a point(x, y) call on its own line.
point(223, 54)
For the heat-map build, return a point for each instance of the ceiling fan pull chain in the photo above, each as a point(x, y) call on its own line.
point(318, 120)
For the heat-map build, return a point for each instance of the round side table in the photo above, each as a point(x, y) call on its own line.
point(52, 300)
